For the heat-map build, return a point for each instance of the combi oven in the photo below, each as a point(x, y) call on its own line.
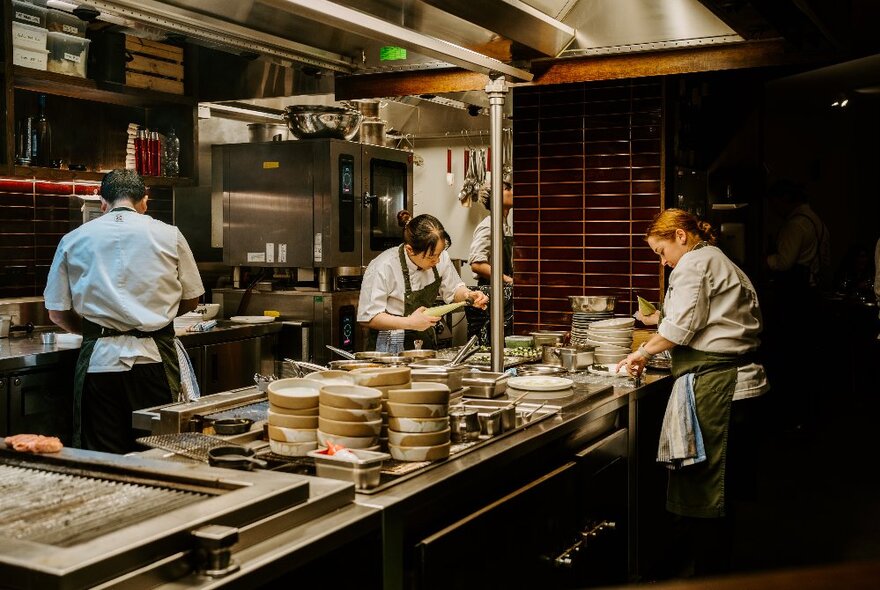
point(314, 203)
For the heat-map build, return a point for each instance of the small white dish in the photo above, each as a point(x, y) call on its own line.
point(251, 319)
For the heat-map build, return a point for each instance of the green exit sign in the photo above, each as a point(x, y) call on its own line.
point(391, 53)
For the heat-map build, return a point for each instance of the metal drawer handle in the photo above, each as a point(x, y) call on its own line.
point(566, 558)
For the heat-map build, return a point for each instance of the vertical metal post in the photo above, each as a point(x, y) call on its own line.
point(497, 89)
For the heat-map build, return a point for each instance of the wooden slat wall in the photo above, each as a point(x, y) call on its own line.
point(588, 178)
point(34, 216)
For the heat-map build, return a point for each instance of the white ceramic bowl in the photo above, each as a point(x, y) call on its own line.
point(339, 428)
point(292, 435)
point(417, 410)
point(294, 393)
point(332, 377)
point(432, 453)
point(417, 424)
point(352, 442)
point(292, 449)
point(353, 397)
point(421, 395)
point(418, 439)
point(292, 421)
point(382, 377)
point(350, 414)
point(208, 311)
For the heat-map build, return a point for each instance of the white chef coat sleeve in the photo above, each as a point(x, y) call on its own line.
point(686, 311)
point(479, 251)
point(57, 295)
point(449, 279)
point(373, 298)
point(788, 247)
point(187, 271)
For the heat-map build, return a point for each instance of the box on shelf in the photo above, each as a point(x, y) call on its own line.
point(155, 66)
point(28, 36)
point(30, 58)
point(29, 14)
point(59, 21)
point(67, 54)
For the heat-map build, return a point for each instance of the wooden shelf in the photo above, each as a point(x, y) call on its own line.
point(59, 175)
point(86, 89)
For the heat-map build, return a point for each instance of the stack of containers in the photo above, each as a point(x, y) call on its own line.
point(612, 338)
point(67, 45)
point(29, 35)
point(350, 416)
point(418, 422)
point(384, 379)
point(293, 416)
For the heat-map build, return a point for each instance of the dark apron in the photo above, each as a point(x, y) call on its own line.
point(698, 490)
point(412, 300)
point(164, 339)
point(478, 319)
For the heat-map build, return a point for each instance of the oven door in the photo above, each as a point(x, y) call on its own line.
point(387, 189)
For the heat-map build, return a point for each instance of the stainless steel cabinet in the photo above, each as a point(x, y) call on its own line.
point(230, 365)
point(37, 402)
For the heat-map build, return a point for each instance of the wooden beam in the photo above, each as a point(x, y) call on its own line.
point(408, 83)
point(662, 63)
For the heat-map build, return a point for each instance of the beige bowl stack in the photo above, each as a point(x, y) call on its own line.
point(351, 416)
point(418, 422)
point(384, 379)
point(293, 416)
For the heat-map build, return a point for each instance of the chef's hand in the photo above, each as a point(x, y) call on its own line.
point(479, 299)
point(419, 322)
point(634, 363)
point(507, 279)
point(651, 320)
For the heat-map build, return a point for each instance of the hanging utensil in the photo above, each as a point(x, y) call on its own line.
point(528, 416)
point(343, 353)
point(514, 403)
point(463, 353)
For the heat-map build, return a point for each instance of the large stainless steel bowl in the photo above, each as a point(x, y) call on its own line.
point(592, 303)
point(314, 121)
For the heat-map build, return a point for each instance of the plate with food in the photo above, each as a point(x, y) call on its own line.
point(539, 383)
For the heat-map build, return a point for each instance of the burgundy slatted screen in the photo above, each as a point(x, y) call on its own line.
point(588, 178)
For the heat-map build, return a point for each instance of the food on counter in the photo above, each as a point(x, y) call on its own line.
point(339, 452)
point(442, 310)
point(34, 443)
point(646, 307)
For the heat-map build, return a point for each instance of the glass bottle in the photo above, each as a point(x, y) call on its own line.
point(139, 163)
point(41, 138)
point(172, 154)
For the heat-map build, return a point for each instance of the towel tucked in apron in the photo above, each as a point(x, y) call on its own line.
point(698, 490)
point(92, 332)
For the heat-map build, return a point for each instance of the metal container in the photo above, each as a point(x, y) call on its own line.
point(550, 354)
point(592, 303)
point(490, 423)
point(5, 324)
point(540, 370)
point(464, 423)
point(543, 337)
point(372, 131)
point(365, 473)
point(258, 132)
point(371, 355)
point(576, 358)
point(314, 122)
point(485, 384)
point(347, 365)
point(449, 376)
point(419, 354)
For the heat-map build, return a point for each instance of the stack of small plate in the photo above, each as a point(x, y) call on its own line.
point(612, 338)
point(384, 379)
point(580, 323)
point(351, 416)
point(418, 422)
point(293, 416)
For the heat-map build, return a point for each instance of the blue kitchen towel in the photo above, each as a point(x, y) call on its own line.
point(681, 442)
point(189, 386)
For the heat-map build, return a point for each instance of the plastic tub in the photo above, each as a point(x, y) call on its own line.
point(67, 54)
point(30, 58)
point(29, 14)
point(28, 36)
point(59, 21)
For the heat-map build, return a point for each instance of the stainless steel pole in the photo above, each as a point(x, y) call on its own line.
point(497, 90)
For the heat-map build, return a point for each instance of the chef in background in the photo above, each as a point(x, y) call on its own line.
point(481, 247)
point(120, 280)
point(402, 282)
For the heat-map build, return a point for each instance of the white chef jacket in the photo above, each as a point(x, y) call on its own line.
point(711, 306)
point(482, 241)
point(125, 271)
point(803, 239)
point(382, 288)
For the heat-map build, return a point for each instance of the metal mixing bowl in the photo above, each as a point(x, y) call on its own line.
point(313, 121)
point(588, 303)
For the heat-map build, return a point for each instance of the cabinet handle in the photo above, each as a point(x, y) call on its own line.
point(369, 200)
point(566, 558)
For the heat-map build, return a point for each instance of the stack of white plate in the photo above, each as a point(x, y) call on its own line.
point(186, 320)
point(293, 416)
point(612, 338)
point(580, 323)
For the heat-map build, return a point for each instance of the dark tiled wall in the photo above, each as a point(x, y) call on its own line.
point(588, 178)
point(34, 215)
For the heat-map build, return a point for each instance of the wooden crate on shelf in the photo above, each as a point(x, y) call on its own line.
point(153, 65)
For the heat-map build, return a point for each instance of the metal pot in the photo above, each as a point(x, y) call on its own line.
point(540, 370)
point(576, 358)
point(258, 132)
point(550, 354)
point(592, 303)
point(373, 131)
point(543, 337)
point(464, 423)
point(312, 121)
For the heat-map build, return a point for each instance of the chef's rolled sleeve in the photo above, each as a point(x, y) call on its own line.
point(188, 271)
point(686, 309)
point(57, 295)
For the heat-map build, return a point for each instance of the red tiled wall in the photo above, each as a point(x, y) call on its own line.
point(34, 216)
point(588, 162)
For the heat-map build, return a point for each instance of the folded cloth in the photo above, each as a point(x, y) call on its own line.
point(189, 386)
point(681, 442)
point(390, 341)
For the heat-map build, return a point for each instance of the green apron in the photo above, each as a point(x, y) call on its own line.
point(478, 319)
point(698, 490)
point(412, 300)
point(92, 332)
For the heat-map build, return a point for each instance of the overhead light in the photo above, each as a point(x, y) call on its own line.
point(840, 102)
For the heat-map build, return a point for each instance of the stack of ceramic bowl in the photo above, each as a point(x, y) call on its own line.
point(580, 324)
point(332, 377)
point(418, 422)
point(351, 416)
point(384, 379)
point(293, 416)
point(612, 339)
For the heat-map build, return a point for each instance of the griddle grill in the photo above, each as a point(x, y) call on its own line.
point(197, 415)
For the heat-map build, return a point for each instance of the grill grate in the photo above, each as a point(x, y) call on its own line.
point(63, 509)
point(188, 444)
